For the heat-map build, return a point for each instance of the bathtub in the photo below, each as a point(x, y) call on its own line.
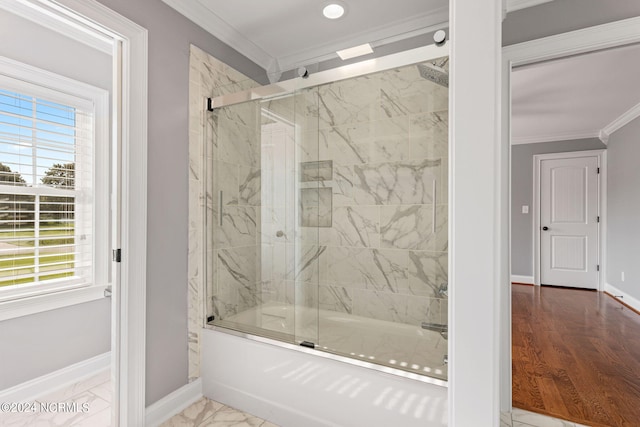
point(395, 345)
point(362, 372)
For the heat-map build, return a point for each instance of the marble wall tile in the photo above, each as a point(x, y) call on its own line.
point(348, 101)
point(307, 148)
point(237, 281)
point(250, 186)
point(356, 226)
point(430, 135)
point(278, 110)
point(280, 292)
point(278, 224)
point(342, 186)
point(427, 272)
point(276, 261)
point(411, 227)
point(423, 309)
point(225, 180)
point(380, 305)
point(367, 142)
point(335, 298)
point(239, 227)
point(376, 269)
point(311, 260)
point(238, 267)
point(395, 183)
point(234, 139)
point(403, 91)
point(306, 107)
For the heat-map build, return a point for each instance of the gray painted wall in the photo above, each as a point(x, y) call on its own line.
point(522, 194)
point(39, 344)
point(170, 35)
point(623, 205)
point(561, 16)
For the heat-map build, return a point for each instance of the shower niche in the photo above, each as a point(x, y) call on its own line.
point(327, 225)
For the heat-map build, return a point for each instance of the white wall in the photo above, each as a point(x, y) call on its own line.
point(36, 345)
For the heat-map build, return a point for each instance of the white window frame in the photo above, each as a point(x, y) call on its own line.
point(22, 300)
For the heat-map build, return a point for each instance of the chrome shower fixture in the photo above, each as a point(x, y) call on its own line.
point(303, 72)
point(435, 71)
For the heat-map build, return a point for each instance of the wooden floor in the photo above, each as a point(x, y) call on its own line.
point(576, 356)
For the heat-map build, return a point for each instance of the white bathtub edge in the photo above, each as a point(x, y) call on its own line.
point(293, 388)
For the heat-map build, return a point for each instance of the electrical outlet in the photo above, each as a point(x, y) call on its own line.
point(525, 209)
point(622, 276)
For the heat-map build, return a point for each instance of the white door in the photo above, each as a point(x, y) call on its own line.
point(569, 222)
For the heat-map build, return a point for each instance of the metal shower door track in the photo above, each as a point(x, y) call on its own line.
point(401, 59)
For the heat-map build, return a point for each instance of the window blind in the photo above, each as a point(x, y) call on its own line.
point(45, 190)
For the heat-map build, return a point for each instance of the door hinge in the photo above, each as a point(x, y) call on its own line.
point(598, 267)
point(116, 255)
point(598, 218)
point(598, 170)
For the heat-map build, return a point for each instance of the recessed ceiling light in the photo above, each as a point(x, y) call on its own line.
point(355, 51)
point(333, 11)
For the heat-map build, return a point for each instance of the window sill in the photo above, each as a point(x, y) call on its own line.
point(50, 301)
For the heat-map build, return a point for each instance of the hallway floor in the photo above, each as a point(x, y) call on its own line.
point(576, 356)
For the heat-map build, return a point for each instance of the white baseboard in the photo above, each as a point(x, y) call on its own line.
point(521, 279)
point(173, 403)
point(626, 298)
point(41, 386)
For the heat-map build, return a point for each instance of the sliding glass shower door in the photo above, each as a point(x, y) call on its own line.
point(327, 220)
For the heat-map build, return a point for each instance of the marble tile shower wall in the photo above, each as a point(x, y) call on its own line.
point(207, 77)
point(383, 141)
point(383, 257)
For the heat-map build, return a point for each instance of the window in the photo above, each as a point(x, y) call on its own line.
point(54, 183)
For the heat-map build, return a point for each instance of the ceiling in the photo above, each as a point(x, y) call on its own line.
point(583, 96)
point(280, 35)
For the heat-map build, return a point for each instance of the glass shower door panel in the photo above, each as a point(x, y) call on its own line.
point(385, 136)
point(310, 216)
point(277, 230)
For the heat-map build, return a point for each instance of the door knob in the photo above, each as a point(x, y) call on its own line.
point(545, 228)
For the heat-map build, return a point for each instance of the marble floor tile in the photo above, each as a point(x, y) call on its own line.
point(195, 414)
point(505, 419)
point(90, 390)
point(522, 418)
point(229, 417)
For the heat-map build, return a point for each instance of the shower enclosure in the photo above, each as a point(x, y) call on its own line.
point(327, 225)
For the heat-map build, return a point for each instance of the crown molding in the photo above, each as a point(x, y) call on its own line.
point(513, 5)
point(613, 34)
point(216, 26)
point(624, 119)
point(44, 17)
point(568, 136)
